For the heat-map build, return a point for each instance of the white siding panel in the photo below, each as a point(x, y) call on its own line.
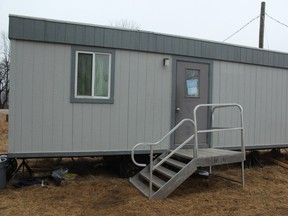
point(67, 116)
point(105, 128)
point(87, 127)
point(215, 97)
point(12, 96)
point(115, 117)
point(77, 127)
point(122, 75)
point(261, 91)
point(133, 93)
point(58, 97)
point(19, 53)
point(157, 100)
point(261, 110)
point(166, 101)
point(26, 112)
point(149, 102)
point(141, 97)
point(44, 120)
point(47, 94)
point(96, 128)
point(37, 105)
point(284, 98)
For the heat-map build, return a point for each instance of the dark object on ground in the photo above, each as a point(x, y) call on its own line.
point(11, 167)
point(59, 175)
point(26, 182)
point(123, 164)
point(3, 161)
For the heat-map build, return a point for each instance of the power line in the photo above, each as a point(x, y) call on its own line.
point(277, 20)
point(241, 28)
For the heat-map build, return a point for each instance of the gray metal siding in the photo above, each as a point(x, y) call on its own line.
point(262, 93)
point(25, 28)
point(44, 121)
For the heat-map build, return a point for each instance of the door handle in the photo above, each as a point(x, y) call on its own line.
point(178, 109)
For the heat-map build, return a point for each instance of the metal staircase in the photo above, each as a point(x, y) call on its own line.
point(165, 178)
point(163, 175)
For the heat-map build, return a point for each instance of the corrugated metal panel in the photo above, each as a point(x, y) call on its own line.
point(16, 27)
point(167, 44)
point(190, 44)
point(243, 54)
point(70, 33)
point(185, 46)
point(177, 46)
point(80, 34)
point(50, 31)
point(135, 40)
point(40, 30)
point(197, 48)
point(99, 37)
point(261, 91)
point(160, 43)
point(60, 32)
point(108, 38)
point(144, 45)
point(28, 29)
point(90, 36)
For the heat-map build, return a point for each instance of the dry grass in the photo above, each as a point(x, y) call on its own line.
point(97, 190)
point(3, 136)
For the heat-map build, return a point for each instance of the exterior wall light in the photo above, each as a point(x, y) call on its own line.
point(166, 62)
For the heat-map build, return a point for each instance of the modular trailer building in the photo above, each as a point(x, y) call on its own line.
point(84, 90)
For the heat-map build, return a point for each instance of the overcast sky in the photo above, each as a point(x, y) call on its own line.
point(204, 19)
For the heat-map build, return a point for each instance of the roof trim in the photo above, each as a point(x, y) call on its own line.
point(53, 31)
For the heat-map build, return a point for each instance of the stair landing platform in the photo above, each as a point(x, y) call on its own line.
point(213, 156)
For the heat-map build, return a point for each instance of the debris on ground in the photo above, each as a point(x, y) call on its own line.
point(59, 175)
point(26, 182)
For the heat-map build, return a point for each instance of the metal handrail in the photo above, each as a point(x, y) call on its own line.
point(152, 168)
point(219, 129)
point(161, 140)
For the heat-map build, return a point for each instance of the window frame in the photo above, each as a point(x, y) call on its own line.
point(74, 98)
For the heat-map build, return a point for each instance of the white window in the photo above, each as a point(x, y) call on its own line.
point(92, 75)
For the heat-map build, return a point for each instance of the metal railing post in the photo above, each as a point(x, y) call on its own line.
point(151, 171)
point(195, 150)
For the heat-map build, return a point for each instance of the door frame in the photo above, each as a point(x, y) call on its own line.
point(176, 59)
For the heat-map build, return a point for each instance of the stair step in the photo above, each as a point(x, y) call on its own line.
point(174, 162)
point(141, 186)
point(156, 181)
point(183, 155)
point(174, 182)
point(166, 172)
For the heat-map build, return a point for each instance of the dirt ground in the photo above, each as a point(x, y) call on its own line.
point(93, 189)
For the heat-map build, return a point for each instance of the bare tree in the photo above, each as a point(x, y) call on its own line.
point(4, 71)
point(126, 24)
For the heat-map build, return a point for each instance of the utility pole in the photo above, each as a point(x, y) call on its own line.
point(262, 22)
